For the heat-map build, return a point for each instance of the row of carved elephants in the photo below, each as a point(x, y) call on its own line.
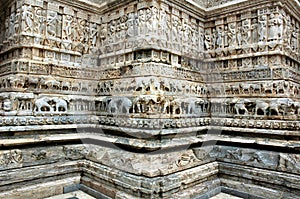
point(106, 87)
point(257, 107)
point(53, 105)
point(151, 85)
point(153, 104)
point(158, 104)
point(29, 104)
point(200, 89)
point(270, 88)
point(46, 82)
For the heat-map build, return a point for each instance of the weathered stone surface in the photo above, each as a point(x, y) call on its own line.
point(75, 194)
point(155, 99)
point(224, 196)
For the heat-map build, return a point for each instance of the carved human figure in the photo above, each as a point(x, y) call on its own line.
point(17, 24)
point(280, 26)
point(273, 28)
point(6, 25)
point(103, 34)
point(294, 39)
point(142, 21)
point(93, 34)
point(68, 32)
point(121, 28)
point(28, 18)
point(11, 28)
point(213, 39)
point(175, 27)
point(225, 36)
point(132, 24)
point(180, 31)
point(201, 40)
point(239, 36)
point(231, 35)
point(40, 20)
point(165, 25)
point(83, 31)
point(185, 31)
point(288, 31)
point(52, 23)
point(207, 41)
point(149, 20)
point(111, 31)
point(246, 32)
point(154, 19)
point(59, 26)
point(194, 37)
point(254, 30)
point(219, 40)
point(262, 28)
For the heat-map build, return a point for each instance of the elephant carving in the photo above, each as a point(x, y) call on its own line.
point(240, 106)
point(280, 105)
point(42, 105)
point(32, 82)
point(274, 107)
point(185, 105)
point(50, 105)
point(119, 105)
point(60, 105)
point(49, 83)
point(261, 105)
point(297, 107)
point(144, 102)
point(66, 85)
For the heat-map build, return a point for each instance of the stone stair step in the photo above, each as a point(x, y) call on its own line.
point(73, 195)
point(224, 196)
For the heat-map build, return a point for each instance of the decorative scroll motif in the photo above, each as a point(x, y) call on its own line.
point(11, 157)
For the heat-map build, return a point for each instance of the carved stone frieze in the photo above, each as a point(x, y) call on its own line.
point(171, 78)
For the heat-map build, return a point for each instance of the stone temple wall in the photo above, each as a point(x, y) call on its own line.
point(150, 99)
